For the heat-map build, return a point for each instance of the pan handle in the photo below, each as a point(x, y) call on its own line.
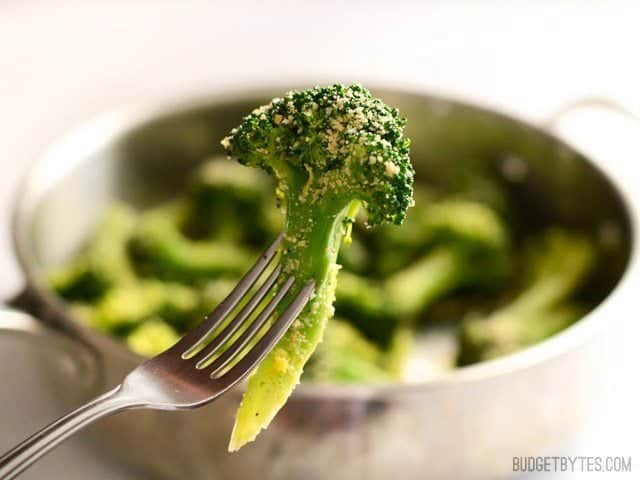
point(606, 103)
point(607, 130)
point(75, 358)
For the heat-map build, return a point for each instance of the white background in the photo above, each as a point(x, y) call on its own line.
point(63, 61)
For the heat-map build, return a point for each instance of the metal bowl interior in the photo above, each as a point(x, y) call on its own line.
point(144, 156)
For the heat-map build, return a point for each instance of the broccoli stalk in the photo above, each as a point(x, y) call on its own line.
point(331, 149)
point(559, 263)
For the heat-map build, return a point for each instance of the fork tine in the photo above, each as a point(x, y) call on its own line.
point(233, 350)
point(233, 326)
point(217, 316)
point(268, 341)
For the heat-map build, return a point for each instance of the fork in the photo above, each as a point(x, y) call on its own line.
point(189, 374)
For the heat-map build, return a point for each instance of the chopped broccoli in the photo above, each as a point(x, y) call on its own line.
point(104, 261)
point(159, 249)
point(331, 150)
point(152, 338)
point(469, 248)
point(229, 202)
point(559, 263)
point(345, 356)
point(355, 256)
point(398, 352)
point(125, 306)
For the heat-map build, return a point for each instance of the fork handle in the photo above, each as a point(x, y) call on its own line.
point(19, 458)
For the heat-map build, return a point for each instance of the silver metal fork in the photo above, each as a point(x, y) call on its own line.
point(185, 376)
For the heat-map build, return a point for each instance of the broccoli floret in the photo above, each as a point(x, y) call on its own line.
point(558, 264)
point(104, 261)
point(398, 352)
point(331, 149)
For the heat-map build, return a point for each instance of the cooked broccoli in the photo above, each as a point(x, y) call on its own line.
point(104, 261)
point(152, 337)
point(227, 201)
point(124, 307)
point(160, 249)
point(469, 248)
point(558, 264)
point(331, 149)
point(345, 356)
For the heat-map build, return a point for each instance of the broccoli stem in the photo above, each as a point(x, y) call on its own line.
point(513, 329)
point(307, 254)
point(428, 279)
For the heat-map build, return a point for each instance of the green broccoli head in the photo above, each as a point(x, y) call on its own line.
point(331, 145)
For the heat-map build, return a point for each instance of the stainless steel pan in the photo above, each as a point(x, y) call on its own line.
point(468, 424)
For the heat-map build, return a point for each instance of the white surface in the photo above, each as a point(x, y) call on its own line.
point(64, 61)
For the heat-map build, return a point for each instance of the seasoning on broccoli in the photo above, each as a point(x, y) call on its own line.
point(331, 149)
point(559, 263)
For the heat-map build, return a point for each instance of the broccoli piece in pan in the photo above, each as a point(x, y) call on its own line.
point(160, 249)
point(123, 307)
point(104, 261)
point(345, 356)
point(469, 248)
point(559, 263)
point(152, 337)
point(227, 201)
point(331, 150)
